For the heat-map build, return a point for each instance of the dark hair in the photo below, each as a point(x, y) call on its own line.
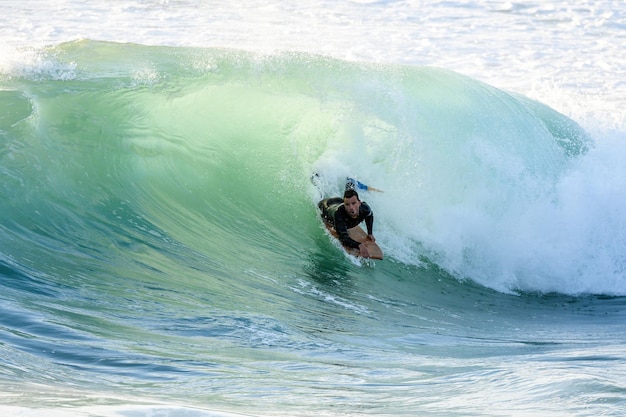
point(351, 193)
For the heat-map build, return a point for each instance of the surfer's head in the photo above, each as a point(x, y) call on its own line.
point(350, 193)
point(351, 202)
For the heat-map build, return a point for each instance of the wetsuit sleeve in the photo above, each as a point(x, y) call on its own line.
point(369, 218)
point(369, 224)
point(341, 227)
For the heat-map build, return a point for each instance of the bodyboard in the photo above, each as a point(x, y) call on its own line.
point(357, 233)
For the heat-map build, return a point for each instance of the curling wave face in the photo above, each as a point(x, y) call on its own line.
point(213, 149)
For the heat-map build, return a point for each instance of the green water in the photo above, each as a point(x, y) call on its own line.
point(160, 241)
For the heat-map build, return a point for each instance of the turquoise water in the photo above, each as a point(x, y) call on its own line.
point(161, 248)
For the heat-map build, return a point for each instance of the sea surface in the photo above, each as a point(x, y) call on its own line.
point(160, 248)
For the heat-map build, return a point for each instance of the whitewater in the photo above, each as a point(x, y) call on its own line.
point(160, 250)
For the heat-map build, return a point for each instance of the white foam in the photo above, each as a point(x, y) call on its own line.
point(553, 50)
point(113, 411)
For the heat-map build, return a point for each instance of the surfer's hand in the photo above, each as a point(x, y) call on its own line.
point(363, 251)
point(371, 238)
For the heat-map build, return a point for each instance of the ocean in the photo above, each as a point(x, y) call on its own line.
point(161, 252)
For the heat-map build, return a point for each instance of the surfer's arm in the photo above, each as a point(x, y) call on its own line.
point(369, 220)
point(346, 240)
point(342, 233)
point(369, 224)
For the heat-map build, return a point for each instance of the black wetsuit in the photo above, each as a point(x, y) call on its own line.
point(333, 210)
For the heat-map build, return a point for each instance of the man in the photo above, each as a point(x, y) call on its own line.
point(347, 213)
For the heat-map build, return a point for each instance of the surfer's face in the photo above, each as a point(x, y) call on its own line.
point(352, 205)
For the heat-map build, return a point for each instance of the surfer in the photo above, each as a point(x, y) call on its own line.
point(346, 213)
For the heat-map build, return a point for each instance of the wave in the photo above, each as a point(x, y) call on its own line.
point(170, 161)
